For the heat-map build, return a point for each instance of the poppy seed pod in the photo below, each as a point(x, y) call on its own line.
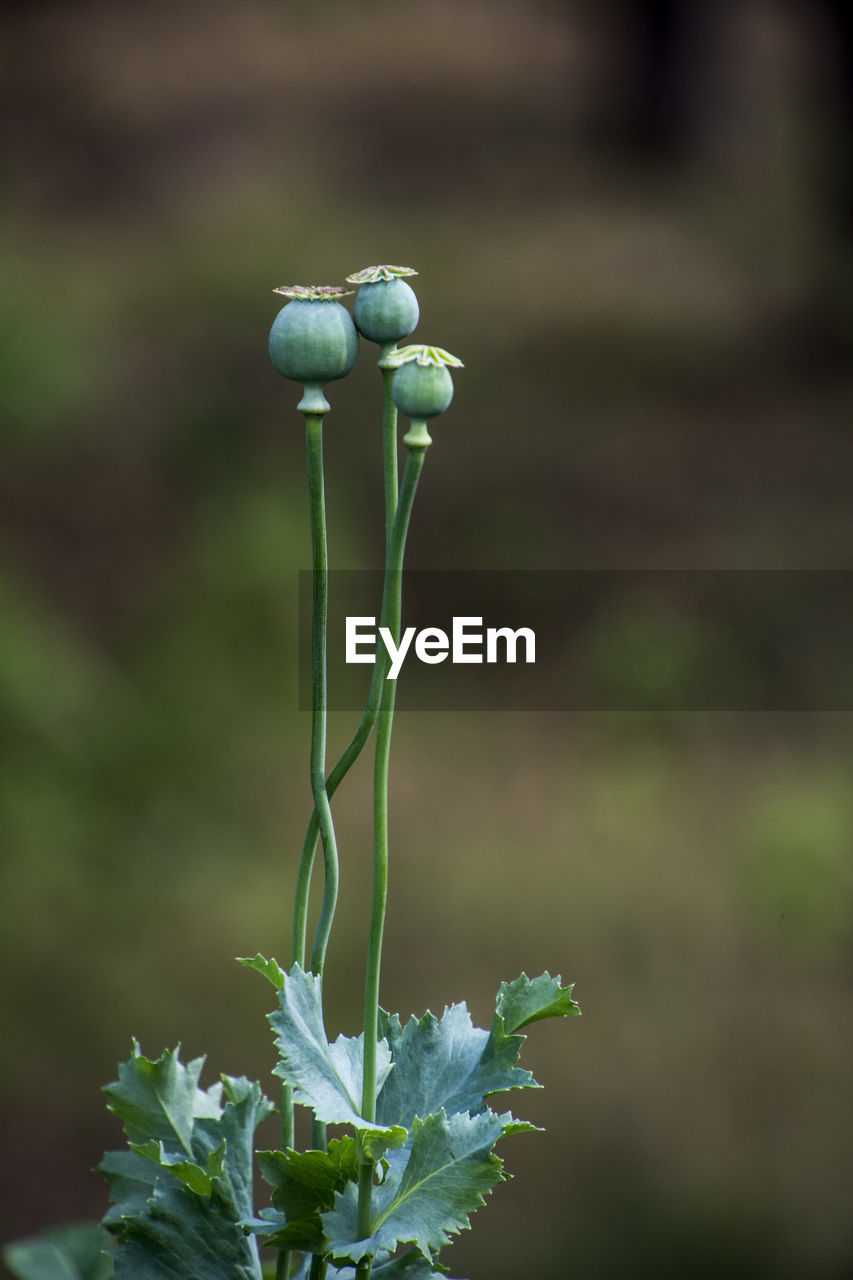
point(422, 386)
point(313, 341)
point(385, 309)
point(422, 390)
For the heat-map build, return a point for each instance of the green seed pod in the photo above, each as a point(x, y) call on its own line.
point(422, 391)
point(422, 386)
point(385, 309)
point(313, 341)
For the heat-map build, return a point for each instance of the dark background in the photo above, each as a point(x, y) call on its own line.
point(632, 222)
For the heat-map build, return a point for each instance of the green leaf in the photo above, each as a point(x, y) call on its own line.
point(245, 1109)
point(451, 1064)
point(305, 1234)
point(161, 1099)
point(180, 1194)
point(186, 1235)
point(271, 969)
point(445, 1063)
point(63, 1253)
point(304, 1185)
point(429, 1191)
point(326, 1077)
point(303, 1181)
point(377, 1143)
point(131, 1180)
point(191, 1174)
point(528, 1000)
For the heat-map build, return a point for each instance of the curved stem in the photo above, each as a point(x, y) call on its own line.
point(325, 826)
point(321, 822)
point(414, 465)
point(320, 565)
point(368, 719)
point(312, 835)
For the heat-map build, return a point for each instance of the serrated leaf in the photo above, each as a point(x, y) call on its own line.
point(244, 1110)
point(267, 1221)
point(271, 969)
point(77, 1252)
point(303, 1181)
point(183, 1235)
point(529, 1000)
point(445, 1063)
point(520, 1126)
point(161, 1099)
point(190, 1173)
point(326, 1077)
point(305, 1234)
point(304, 1184)
point(430, 1189)
point(131, 1180)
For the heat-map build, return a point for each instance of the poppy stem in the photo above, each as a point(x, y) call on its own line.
point(392, 616)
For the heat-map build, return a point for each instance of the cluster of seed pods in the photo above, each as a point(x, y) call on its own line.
point(314, 340)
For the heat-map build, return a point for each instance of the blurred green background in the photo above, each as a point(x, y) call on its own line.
point(636, 237)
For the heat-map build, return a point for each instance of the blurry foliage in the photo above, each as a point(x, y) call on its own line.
point(797, 861)
point(633, 397)
point(48, 366)
point(69, 1253)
